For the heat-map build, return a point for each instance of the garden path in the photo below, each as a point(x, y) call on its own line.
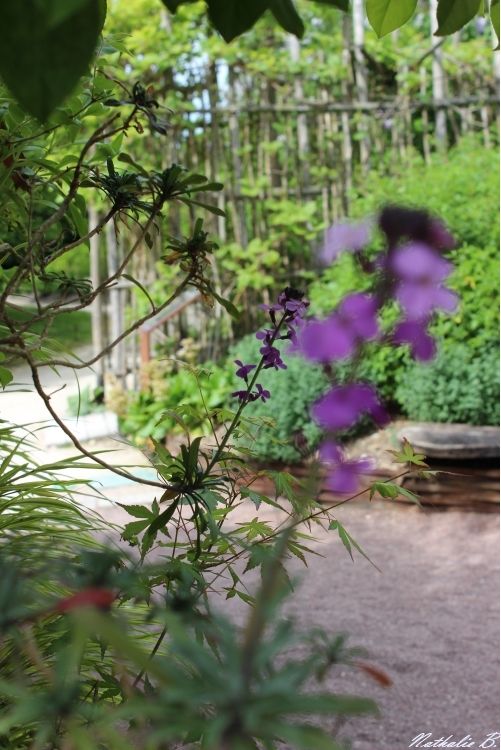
point(430, 618)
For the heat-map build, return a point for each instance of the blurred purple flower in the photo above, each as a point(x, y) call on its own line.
point(337, 336)
point(324, 340)
point(439, 236)
point(420, 299)
point(359, 312)
point(416, 261)
point(342, 406)
point(421, 271)
point(243, 370)
point(343, 474)
point(344, 237)
point(414, 333)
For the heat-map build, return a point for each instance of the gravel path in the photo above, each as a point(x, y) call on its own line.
point(429, 619)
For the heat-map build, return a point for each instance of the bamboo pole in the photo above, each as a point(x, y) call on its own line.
point(438, 84)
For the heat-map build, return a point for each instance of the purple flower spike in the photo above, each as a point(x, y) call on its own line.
point(344, 475)
point(414, 333)
point(342, 406)
point(243, 370)
point(344, 237)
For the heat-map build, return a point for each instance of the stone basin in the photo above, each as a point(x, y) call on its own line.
point(453, 441)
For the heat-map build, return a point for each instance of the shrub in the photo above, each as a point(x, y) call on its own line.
point(176, 400)
point(459, 386)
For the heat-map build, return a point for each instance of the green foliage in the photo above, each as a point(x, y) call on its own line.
point(85, 402)
point(69, 329)
point(461, 385)
point(292, 393)
point(179, 404)
point(47, 47)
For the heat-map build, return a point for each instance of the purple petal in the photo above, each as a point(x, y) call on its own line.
point(360, 311)
point(446, 300)
point(416, 299)
point(344, 237)
point(342, 406)
point(417, 261)
point(345, 477)
point(330, 452)
point(326, 340)
point(414, 333)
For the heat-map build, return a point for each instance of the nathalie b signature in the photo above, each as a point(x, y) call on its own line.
point(426, 739)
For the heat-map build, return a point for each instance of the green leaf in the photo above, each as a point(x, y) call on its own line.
point(288, 17)
point(213, 209)
point(452, 15)
point(228, 306)
point(349, 542)
point(163, 519)
point(385, 489)
point(387, 15)
point(5, 376)
point(138, 511)
point(42, 61)
point(232, 17)
point(494, 12)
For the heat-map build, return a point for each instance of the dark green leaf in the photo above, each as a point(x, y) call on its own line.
point(228, 306)
point(162, 519)
point(232, 17)
point(207, 206)
point(41, 61)
point(387, 15)
point(452, 15)
point(288, 17)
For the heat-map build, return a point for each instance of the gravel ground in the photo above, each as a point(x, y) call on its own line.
point(429, 619)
